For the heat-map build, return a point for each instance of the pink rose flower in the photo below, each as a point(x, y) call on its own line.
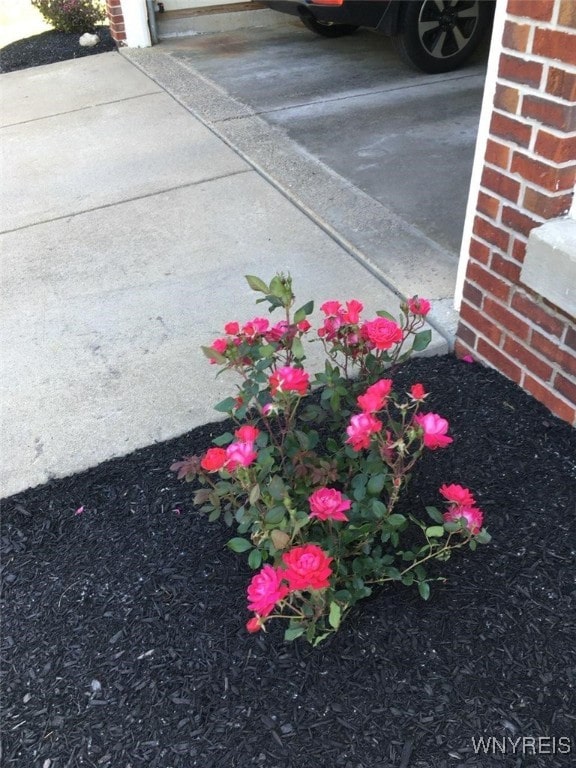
point(289, 379)
point(361, 427)
point(331, 308)
point(417, 392)
point(435, 428)
point(255, 327)
point(418, 306)
point(329, 504)
point(457, 494)
point(265, 590)
point(240, 455)
point(277, 331)
point(471, 516)
point(214, 459)
point(330, 328)
point(232, 328)
point(352, 313)
point(383, 333)
point(220, 345)
point(374, 399)
point(247, 433)
point(308, 567)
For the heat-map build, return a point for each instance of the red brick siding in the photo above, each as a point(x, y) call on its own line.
point(116, 18)
point(528, 177)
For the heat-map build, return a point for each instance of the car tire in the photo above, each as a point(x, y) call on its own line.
point(326, 28)
point(440, 35)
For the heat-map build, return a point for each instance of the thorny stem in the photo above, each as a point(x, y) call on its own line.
point(429, 556)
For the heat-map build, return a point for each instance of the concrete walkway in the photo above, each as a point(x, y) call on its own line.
point(127, 226)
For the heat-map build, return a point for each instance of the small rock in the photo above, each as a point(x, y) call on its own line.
point(89, 41)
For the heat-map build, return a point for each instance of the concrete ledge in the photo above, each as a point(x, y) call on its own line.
point(179, 24)
point(550, 264)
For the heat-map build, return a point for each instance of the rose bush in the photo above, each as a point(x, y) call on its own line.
point(313, 473)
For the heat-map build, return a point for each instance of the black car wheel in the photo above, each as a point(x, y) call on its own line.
point(439, 35)
point(327, 28)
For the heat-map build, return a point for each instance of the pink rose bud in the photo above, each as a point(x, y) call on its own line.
point(247, 433)
point(417, 392)
point(418, 306)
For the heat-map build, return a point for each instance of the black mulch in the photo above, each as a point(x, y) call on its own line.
point(123, 640)
point(50, 47)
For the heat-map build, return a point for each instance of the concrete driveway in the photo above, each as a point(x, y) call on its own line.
point(404, 138)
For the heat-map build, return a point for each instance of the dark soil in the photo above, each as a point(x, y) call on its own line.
point(124, 645)
point(50, 47)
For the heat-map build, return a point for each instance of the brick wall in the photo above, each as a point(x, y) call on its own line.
point(117, 28)
point(528, 177)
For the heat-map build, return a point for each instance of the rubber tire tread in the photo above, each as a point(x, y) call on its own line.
point(411, 52)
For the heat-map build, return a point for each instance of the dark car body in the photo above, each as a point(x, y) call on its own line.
point(430, 35)
point(383, 15)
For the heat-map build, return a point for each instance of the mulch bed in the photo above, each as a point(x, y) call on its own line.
point(124, 640)
point(50, 47)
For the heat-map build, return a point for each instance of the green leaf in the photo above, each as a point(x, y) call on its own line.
point(387, 315)
point(276, 488)
point(214, 515)
point(424, 589)
point(421, 341)
point(435, 531)
point(343, 595)
point(226, 405)
point(256, 284)
point(435, 515)
point(224, 439)
point(254, 494)
point(255, 559)
point(376, 484)
point(239, 545)
point(266, 351)
point(378, 508)
point(298, 349)
point(483, 537)
point(396, 520)
point(292, 633)
point(275, 515)
point(335, 615)
point(212, 354)
point(301, 313)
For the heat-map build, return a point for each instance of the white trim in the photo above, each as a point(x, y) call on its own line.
point(481, 141)
point(135, 15)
